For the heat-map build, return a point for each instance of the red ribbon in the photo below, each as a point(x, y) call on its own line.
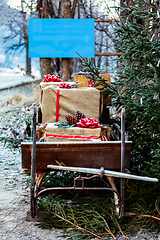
point(103, 138)
point(68, 136)
point(57, 105)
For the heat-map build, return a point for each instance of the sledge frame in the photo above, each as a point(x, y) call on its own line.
point(37, 156)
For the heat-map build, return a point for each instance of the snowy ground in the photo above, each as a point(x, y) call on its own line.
point(15, 194)
point(11, 78)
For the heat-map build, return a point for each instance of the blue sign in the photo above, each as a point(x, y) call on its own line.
point(61, 38)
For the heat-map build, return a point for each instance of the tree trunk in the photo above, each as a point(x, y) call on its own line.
point(45, 10)
point(66, 62)
point(28, 60)
point(66, 69)
point(65, 11)
point(25, 34)
point(45, 65)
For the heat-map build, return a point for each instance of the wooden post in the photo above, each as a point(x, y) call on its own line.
point(122, 161)
point(33, 163)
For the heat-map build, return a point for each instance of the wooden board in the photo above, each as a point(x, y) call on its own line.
point(77, 154)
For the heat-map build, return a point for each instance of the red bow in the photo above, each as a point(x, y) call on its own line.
point(88, 123)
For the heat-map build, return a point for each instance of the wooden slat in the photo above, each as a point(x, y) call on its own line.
point(106, 20)
point(108, 54)
point(91, 155)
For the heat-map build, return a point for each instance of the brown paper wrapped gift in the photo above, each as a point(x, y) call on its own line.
point(56, 134)
point(86, 100)
point(83, 82)
point(46, 84)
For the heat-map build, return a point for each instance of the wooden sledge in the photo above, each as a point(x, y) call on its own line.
point(97, 158)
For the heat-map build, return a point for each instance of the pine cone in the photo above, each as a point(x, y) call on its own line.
point(71, 119)
point(79, 115)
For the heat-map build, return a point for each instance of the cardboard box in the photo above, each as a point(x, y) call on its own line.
point(86, 100)
point(71, 134)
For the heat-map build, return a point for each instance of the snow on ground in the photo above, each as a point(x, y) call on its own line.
point(14, 77)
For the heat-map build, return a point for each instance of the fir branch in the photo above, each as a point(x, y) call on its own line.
point(94, 75)
point(78, 227)
point(64, 124)
point(13, 143)
point(149, 216)
point(106, 228)
point(91, 68)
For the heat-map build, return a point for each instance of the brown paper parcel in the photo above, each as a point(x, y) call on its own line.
point(86, 100)
point(83, 82)
point(71, 131)
point(46, 84)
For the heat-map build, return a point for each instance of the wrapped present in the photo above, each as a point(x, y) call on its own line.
point(56, 134)
point(40, 131)
point(57, 102)
point(83, 82)
point(46, 84)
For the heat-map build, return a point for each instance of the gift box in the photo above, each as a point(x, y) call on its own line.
point(40, 131)
point(56, 134)
point(46, 84)
point(83, 82)
point(57, 102)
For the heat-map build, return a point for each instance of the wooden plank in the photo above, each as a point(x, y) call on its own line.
point(77, 154)
point(106, 20)
point(108, 54)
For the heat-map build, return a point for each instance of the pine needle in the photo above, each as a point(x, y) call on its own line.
point(80, 228)
point(108, 228)
point(150, 216)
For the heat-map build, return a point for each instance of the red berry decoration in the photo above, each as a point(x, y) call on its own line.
point(64, 85)
point(53, 78)
point(49, 78)
point(91, 83)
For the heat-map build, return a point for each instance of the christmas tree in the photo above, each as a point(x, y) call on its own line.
point(138, 81)
point(138, 85)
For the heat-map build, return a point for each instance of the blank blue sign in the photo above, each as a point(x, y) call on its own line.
point(61, 38)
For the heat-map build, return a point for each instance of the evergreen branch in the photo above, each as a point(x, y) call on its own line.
point(64, 124)
point(93, 72)
point(80, 228)
point(120, 19)
point(121, 231)
point(107, 228)
point(91, 68)
point(13, 142)
point(149, 216)
point(135, 192)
